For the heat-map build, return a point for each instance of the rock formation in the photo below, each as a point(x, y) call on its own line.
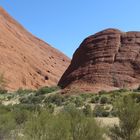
point(108, 60)
point(26, 61)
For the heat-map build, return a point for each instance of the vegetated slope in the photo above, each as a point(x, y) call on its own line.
point(107, 60)
point(25, 60)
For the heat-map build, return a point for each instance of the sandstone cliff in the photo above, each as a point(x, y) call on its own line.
point(26, 61)
point(107, 60)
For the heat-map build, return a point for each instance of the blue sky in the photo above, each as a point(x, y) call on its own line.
point(65, 23)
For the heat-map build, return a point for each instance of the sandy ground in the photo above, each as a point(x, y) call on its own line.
point(108, 121)
point(11, 102)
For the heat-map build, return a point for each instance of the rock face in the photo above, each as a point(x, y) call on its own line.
point(107, 60)
point(26, 61)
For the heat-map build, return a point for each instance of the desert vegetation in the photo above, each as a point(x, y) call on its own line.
point(46, 114)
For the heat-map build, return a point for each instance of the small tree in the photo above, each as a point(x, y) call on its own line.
point(82, 127)
point(129, 115)
point(87, 110)
point(79, 101)
point(99, 111)
point(97, 98)
point(104, 100)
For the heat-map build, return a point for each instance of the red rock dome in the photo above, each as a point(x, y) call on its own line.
point(107, 60)
point(26, 61)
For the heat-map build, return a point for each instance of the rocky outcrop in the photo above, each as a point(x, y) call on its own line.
point(107, 60)
point(26, 61)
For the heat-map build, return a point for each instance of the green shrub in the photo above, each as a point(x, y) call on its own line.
point(71, 124)
point(113, 113)
point(93, 100)
point(26, 107)
point(7, 125)
point(79, 101)
point(50, 108)
point(72, 99)
point(97, 98)
point(129, 115)
point(45, 126)
point(36, 99)
point(5, 109)
point(85, 96)
point(99, 111)
point(46, 90)
point(36, 126)
point(31, 99)
point(87, 110)
point(104, 100)
point(24, 100)
point(102, 92)
point(123, 90)
point(3, 91)
point(69, 107)
point(20, 116)
point(24, 91)
point(115, 95)
point(136, 96)
point(9, 97)
point(105, 114)
point(56, 99)
point(83, 128)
